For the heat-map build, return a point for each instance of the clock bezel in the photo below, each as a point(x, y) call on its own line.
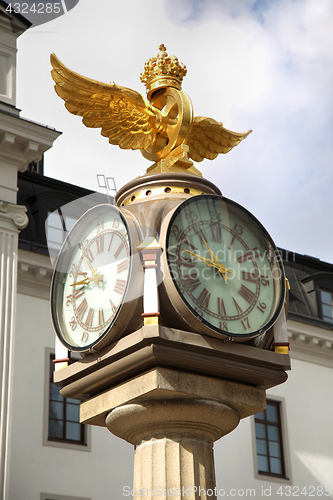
point(185, 310)
point(129, 302)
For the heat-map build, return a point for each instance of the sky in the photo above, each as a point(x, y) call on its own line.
point(265, 65)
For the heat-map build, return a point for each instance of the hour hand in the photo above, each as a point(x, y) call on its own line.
point(212, 262)
point(207, 261)
point(86, 281)
point(97, 278)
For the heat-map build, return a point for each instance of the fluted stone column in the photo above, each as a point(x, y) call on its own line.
point(12, 219)
point(173, 441)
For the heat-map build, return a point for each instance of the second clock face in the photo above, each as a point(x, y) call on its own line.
point(91, 277)
point(225, 266)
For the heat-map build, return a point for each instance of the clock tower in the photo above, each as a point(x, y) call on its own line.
point(176, 297)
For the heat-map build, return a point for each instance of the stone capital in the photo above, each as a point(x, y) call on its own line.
point(177, 419)
point(173, 441)
point(13, 216)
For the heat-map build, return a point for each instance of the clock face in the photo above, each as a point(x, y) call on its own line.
point(225, 267)
point(91, 278)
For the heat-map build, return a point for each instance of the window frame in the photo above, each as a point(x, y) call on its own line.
point(268, 476)
point(59, 443)
point(323, 316)
point(53, 246)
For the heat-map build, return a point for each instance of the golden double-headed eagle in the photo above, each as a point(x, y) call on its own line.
point(161, 126)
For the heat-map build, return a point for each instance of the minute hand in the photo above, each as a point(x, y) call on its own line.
point(209, 262)
point(214, 258)
point(212, 262)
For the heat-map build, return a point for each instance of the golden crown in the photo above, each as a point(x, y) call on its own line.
point(162, 71)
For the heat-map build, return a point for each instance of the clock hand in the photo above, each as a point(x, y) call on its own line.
point(82, 282)
point(98, 278)
point(212, 262)
point(94, 273)
point(209, 262)
point(214, 258)
point(209, 250)
point(220, 267)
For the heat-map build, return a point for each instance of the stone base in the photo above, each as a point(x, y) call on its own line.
point(168, 384)
point(173, 444)
point(173, 418)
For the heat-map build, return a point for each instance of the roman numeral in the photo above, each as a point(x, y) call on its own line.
point(119, 249)
point(78, 293)
point(90, 317)
point(100, 317)
point(120, 286)
point(87, 253)
point(191, 282)
point(247, 294)
point(75, 295)
point(112, 235)
point(249, 255)
point(186, 262)
point(246, 324)
point(239, 231)
point(253, 277)
point(193, 247)
point(239, 310)
point(231, 242)
point(113, 307)
point(204, 298)
point(216, 233)
point(81, 273)
point(201, 234)
point(81, 309)
point(100, 243)
point(122, 266)
point(220, 307)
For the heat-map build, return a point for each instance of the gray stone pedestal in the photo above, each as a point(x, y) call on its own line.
point(173, 418)
point(173, 442)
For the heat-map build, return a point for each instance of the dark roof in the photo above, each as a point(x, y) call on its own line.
point(19, 23)
point(41, 195)
point(307, 276)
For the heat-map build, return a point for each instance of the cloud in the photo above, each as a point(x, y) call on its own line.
point(264, 65)
point(278, 57)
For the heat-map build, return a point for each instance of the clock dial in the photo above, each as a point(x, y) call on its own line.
point(91, 277)
point(225, 266)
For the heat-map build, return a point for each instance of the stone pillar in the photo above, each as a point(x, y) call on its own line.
point(173, 441)
point(12, 219)
point(172, 418)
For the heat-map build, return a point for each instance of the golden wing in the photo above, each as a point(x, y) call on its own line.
point(208, 138)
point(124, 116)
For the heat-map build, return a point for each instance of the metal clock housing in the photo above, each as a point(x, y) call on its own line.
point(222, 271)
point(91, 301)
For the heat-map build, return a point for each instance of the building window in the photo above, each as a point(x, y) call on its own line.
point(327, 305)
point(57, 227)
point(64, 419)
point(269, 445)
